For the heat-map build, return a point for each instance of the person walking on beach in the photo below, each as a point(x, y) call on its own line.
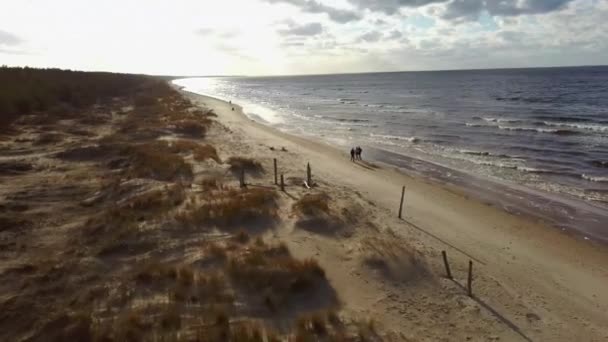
point(352, 154)
point(358, 151)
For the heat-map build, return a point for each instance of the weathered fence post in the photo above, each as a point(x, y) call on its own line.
point(308, 174)
point(282, 183)
point(242, 178)
point(275, 172)
point(401, 203)
point(447, 265)
point(470, 280)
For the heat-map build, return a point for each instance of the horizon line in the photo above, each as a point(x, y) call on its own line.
point(388, 72)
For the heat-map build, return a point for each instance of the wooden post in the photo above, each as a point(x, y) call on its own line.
point(401, 203)
point(275, 172)
point(242, 178)
point(282, 183)
point(447, 265)
point(308, 174)
point(470, 280)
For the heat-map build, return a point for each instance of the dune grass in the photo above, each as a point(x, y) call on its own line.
point(242, 163)
point(232, 207)
point(312, 204)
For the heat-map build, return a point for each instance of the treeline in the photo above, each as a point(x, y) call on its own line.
point(28, 90)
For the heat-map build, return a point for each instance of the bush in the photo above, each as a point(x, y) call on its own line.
point(26, 90)
point(239, 163)
point(234, 206)
point(312, 204)
point(156, 161)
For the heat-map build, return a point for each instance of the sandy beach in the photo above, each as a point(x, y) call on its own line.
point(531, 282)
point(154, 214)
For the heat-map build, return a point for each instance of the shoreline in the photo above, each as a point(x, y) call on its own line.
point(565, 214)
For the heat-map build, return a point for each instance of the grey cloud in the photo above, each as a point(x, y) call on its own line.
point(9, 39)
point(311, 29)
point(395, 34)
point(311, 6)
point(371, 36)
point(470, 9)
point(391, 6)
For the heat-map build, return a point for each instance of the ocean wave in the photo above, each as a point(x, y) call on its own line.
point(588, 127)
point(490, 154)
point(396, 137)
point(598, 179)
point(348, 100)
point(540, 130)
point(535, 170)
point(498, 120)
point(599, 163)
point(472, 124)
point(562, 118)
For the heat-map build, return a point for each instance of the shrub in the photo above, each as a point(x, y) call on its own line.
point(227, 208)
point(239, 163)
point(312, 204)
point(156, 161)
point(204, 152)
point(191, 128)
point(271, 269)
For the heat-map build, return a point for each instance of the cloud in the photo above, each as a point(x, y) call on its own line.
point(205, 31)
point(395, 34)
point(310, 29)
point(310, 6)
point(370, 37)
point(467, 9)
point(470, 9)
point(391, 6)
point(9, 39)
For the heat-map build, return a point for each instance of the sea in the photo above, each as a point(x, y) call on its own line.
point(534, 141)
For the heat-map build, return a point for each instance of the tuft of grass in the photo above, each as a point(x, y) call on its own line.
point(48, 138)
point(200, 152)
point(156, 161)
point(171, 319)
point(235, 206)
point(211, 183)
point(192, 128)
point(394, 257)
point(270, 268)
point(312, 204)
point(250, 165)
point(159, 200)
point(242, 237)
point(204, 152)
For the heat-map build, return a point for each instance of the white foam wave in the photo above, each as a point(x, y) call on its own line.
point(595, 178)
point(537, 129)
point(490, 119)
point(587, 127)
point(396, 137)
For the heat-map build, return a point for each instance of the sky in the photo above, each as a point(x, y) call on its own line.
point(277, 37)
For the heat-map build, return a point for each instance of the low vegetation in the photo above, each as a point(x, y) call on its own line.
point(115, 201)
point(156, 160)
point(232, 207)
point(312, 204)
point(393, 257)
point(61, 92)
point(241, 163)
